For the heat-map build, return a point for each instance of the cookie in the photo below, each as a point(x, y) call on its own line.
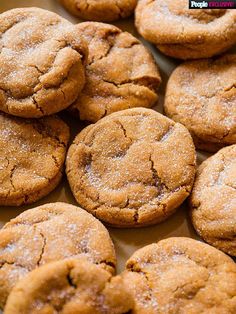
point(50, 233)
point(181, 275)
point(132, 168)
point(100, 10)
point(120, 74)
point(69, 286)
point(201, 95)
point(213, 200)
point(42, 60)
point(32, 155)
point(183, 33)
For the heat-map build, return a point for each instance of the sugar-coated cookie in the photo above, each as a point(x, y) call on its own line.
point(100, 10)
point(181, 275)
point(50, 233)
point(42, 59)
point(184, 33)
point(69, 286)
point(120, 74)
point(213, 200)
point(32, 155)
point(132, 168)
point(201, 95)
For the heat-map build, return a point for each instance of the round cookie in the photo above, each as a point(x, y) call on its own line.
point(32, 155)
point(181, 275)
point(50, 233)
point(213, 200)
point(120, 74)
point(100, 10)
point(184, 33)
point(42, 60)
point(132, 168)
point(69, 286)
point(201, 95)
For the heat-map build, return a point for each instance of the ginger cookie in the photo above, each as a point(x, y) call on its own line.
point(201, 95)
point(120, 74)
point(181, 275)
point(180, 32)
point(100, 10)
point(213, 200)
point(50, 233)
point(69, 286)
point(32, 155)
point(132, 168)
point(42, 60)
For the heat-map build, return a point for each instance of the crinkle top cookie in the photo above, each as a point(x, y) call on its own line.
point(49, 233)
point(201, 94)
point(213, 200)
point(32, 155)
point(120, 73)
point(184, 33)
point(181, 275)
point(69, 286)
point(41, 62)
point(132, 168)
point(100, 10)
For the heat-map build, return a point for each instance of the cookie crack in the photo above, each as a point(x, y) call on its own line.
point(46, 132)
point(38, 107)
point(156, 178)
point(110, 37)
point(166, 135)
point(136, 82)
point(43, 248)
point(11, 176)
point(70, 281)
point(3, 263)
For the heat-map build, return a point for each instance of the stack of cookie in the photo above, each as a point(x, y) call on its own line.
point(132, 168)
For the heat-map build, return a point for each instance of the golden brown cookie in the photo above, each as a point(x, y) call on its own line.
point(69, 286)
point(120, 74)
point(100, 10)
point(181, 275)
point(41, 62)
point(50, 233)
point(32, 155)
point(184, 33)
point(132, 168)
point(213, 200)
point(201, 95)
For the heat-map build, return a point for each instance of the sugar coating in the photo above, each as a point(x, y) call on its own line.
point(70, 286)
point(120, 73)
point(183, 33)
point(132, 168)
point(100, 10)
point(49, 233)
point(32, 154)
point(213, 200)
point(41, 62)
point(181, 275)
point(202, 95)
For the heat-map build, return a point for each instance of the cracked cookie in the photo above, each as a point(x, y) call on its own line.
point(69, 286)
point(213, 200)
point(42, 60)
point(132, 168)
point(50, 233)
point(181, 275)
point(201, 95)
point(32, 155)
point(182, 33)
point(100, 10)
point(120, 73)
